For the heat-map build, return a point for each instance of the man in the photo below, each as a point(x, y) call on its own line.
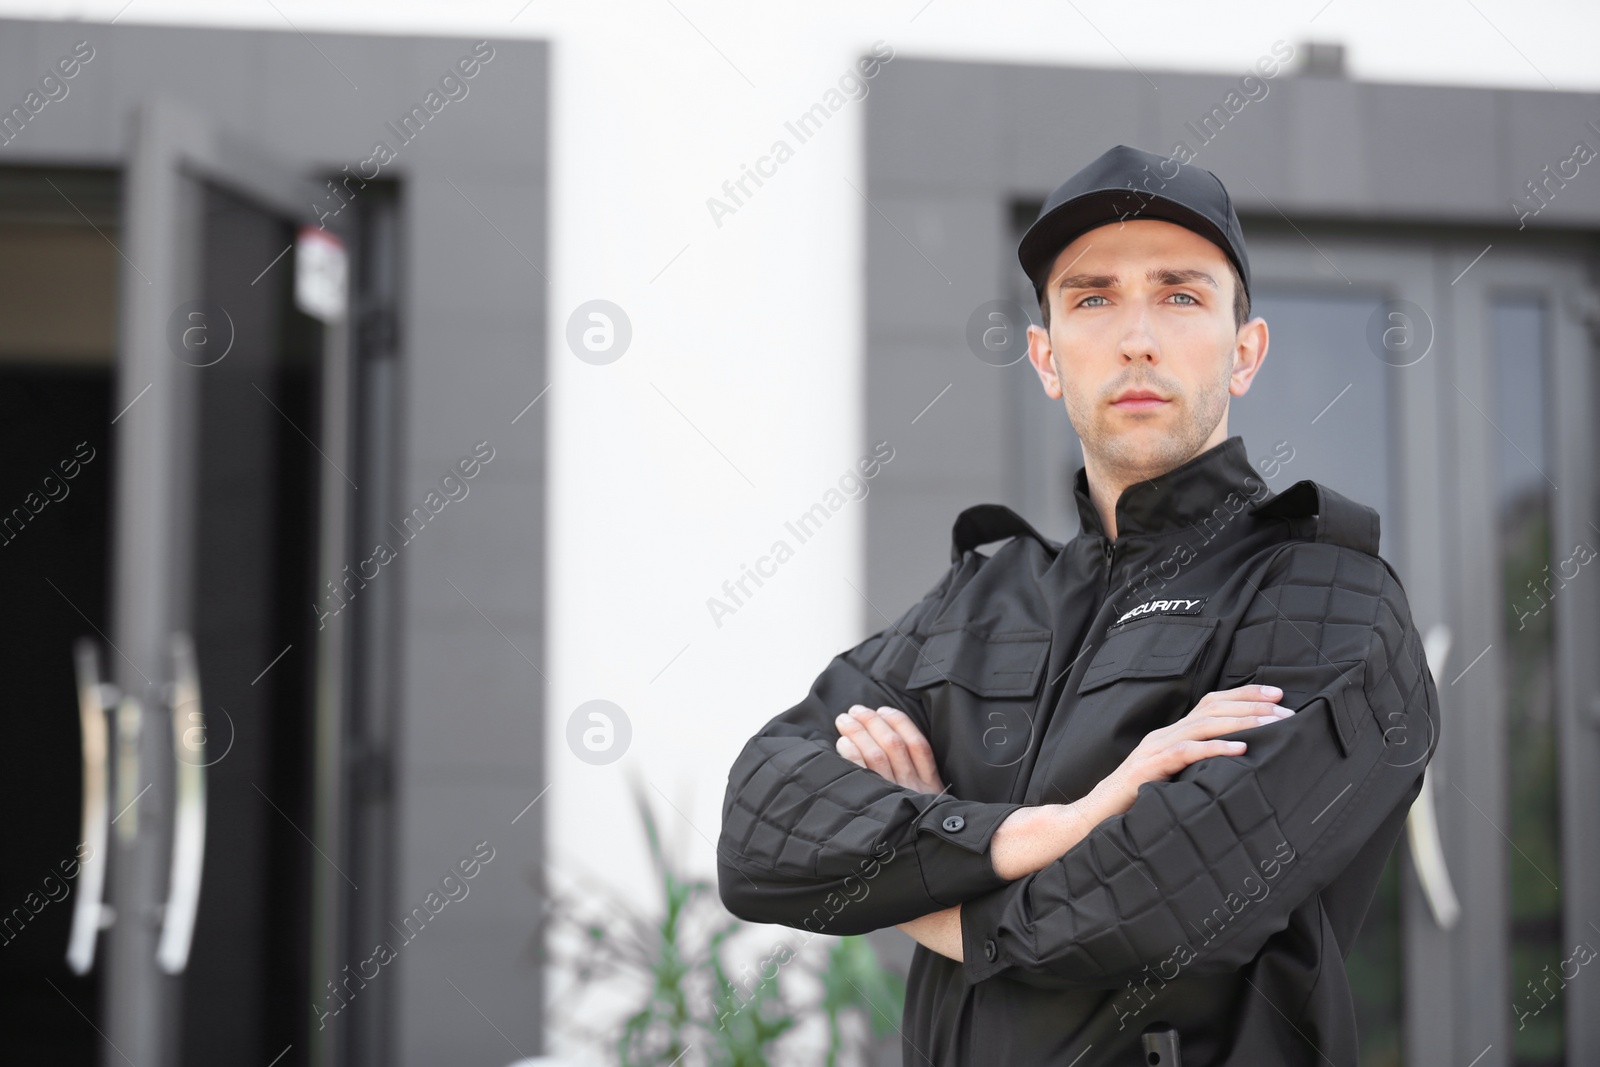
point(1145, 780)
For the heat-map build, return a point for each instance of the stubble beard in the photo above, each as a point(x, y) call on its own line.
point(1135, 454)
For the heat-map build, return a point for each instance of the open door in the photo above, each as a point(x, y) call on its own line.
point(211, 708)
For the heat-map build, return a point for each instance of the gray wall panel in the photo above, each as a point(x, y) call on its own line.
point(910, 95)
point(491, 725)
point(1429, 148)
point(482, 543)
point(1256, 133)
point(1041, 104)
point(490, 241)
point(478, 948)
point(925, 250)
point(473, 376)
point(1541, 129)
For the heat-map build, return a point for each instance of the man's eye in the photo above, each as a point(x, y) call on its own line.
point(1086, 300)
point(1187, 296)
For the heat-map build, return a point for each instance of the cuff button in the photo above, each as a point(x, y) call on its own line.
point(954, 823)
point(988, 950)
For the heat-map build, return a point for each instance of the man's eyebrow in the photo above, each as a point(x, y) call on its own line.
point(1156, 275)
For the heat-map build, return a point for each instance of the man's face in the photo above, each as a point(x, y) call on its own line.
point(1144, 304)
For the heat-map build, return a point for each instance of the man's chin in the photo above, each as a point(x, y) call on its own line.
point(1140, 446)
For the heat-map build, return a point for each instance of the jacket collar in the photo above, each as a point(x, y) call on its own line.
point(1179, 499)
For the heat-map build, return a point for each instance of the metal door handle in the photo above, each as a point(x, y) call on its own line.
point(1422, 822)
point(95, 698)
point(189, 809)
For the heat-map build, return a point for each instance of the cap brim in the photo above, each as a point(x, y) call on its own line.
point(1045, 239)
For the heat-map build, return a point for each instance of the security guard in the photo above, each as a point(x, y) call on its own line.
point(1144, 781)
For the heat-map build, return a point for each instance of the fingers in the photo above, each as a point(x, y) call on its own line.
point(890, 740)
point(1246, 717)
point(1184, 753)
point(917, 746)
point(878, 743)
point(887, 741)
point(1245, 692)
point(1168, 761)
point(853, 730)
point(1247, 701)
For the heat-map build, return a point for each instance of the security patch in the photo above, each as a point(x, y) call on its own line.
point(1170, 606)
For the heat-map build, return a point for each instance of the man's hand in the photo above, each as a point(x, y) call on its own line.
point(886, 740)
point(1032, 838)
point(1168, 750)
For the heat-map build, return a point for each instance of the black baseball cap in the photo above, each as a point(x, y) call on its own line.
point(1125, 183)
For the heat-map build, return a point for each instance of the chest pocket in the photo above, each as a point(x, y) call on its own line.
point(990, 665)
point(981, 691)
point(1157, 646)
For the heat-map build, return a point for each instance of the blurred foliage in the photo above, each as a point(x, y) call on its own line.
point(691, 1009)
point(854, 980)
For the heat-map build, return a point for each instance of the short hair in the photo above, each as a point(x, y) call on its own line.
point(1241, 300)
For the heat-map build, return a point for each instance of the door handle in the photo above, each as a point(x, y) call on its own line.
point(95, 698)
point(189, 809)
point(1422, 822)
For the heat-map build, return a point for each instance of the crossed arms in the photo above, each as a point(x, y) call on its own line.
point(887, 742)
point(1186, 835)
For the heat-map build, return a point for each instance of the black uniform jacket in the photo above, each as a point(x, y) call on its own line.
point(1225, 900)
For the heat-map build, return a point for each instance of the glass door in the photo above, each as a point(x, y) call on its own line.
point(1524, 404)
point(211, 706)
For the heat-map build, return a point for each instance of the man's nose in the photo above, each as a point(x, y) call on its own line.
point(1137, 340)
point(1139, 345)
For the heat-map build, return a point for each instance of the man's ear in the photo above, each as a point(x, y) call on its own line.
point(1042, 358)
point(1249, 352)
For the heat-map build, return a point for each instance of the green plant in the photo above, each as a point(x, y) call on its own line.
point(693, 1011)
point(854, 980)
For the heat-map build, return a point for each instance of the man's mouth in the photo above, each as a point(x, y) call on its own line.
point(1138, 400)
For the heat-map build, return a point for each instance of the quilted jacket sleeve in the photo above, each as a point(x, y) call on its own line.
point(812, 841)
point(1203, 868)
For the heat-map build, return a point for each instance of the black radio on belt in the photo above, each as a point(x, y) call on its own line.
point(1161, 1045)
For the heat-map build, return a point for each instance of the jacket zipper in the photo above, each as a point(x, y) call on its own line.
point(1111, 551)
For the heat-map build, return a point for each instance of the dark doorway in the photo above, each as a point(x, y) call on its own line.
point(58, 279)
